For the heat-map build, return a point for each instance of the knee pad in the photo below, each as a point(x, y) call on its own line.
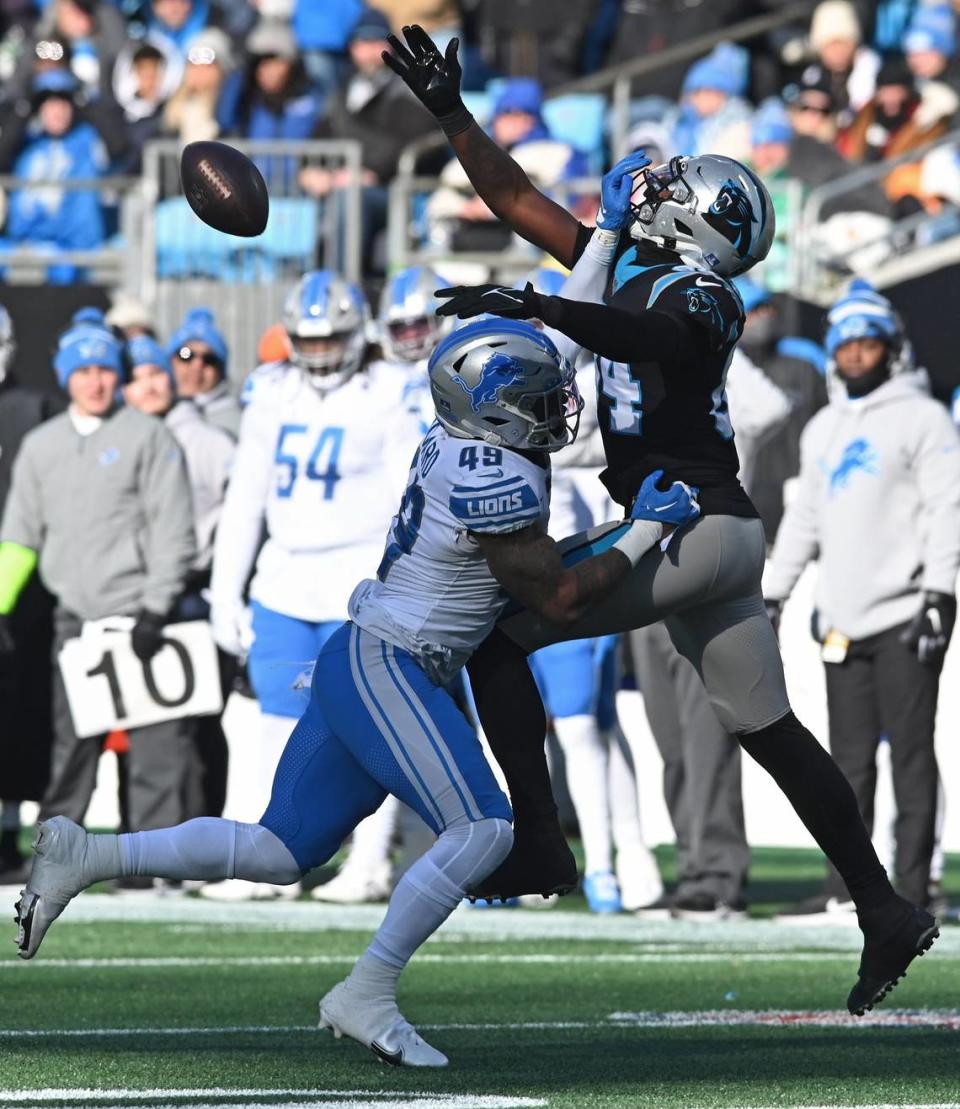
point(466, 853)
point(260, 856)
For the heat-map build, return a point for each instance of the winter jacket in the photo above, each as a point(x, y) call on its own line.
point(878, 501)
point(389, 121)
point(108, 513)
point(21, 410)
point(325, 26)
point(71, 219)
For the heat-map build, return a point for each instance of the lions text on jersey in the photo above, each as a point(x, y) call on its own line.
point(434, 595)
point(319, 469)
point(671, 414)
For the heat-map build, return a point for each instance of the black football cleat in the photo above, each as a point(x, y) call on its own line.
point(540, 861)
point(890, 946)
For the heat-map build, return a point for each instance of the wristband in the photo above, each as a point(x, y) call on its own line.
point(455, 122)
point(640, 537)
point(602, 246)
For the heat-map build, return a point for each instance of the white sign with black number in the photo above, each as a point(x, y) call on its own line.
point(108, 687)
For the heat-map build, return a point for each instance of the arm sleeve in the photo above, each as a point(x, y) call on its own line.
point(499, 501)
point(798, 539)
point(937, 468)
point(618, 335)
point(16, 565)
point(171, 543)
point(241, 522)
point(586, 284)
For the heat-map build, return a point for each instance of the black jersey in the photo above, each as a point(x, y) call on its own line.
point(669, 411)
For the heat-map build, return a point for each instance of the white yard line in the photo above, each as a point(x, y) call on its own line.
point(518, 959)
point(253, 1098)
point(708, 1018)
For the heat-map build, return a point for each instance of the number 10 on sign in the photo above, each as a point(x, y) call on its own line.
point(108, 687)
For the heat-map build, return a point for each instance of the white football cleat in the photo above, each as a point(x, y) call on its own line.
point(352, 886)
point(638, 877)
point(238, 889)
point(55, 879)
point(381, 1028)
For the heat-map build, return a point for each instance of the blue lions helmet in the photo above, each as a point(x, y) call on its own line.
point(504, 382)
point(327, 319)
point(708, 208)
point(408, 325)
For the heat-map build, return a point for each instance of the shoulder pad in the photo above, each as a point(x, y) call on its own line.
point(263, 380)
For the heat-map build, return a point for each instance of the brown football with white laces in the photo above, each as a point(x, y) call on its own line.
point(224, 188)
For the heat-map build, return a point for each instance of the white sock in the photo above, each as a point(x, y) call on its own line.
point(373, 838)
point(622, 783)
point(585, 755)
point(426, 895)
point(206, 848)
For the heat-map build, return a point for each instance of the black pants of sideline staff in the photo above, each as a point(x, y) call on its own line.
point(160, 759)
point(882, 689)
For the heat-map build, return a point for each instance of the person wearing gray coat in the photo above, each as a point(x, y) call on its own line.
point(878, 502)
point(100, 504)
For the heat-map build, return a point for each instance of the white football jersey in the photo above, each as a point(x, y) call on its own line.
point(578, 499)
point(320, 470)
point(434, 595)
point(416, 396)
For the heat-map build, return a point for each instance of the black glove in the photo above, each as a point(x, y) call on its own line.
point(432, 77)
point(7, 644)
point(147, 635)
point(774, 611)
point(928, 633)
point(497, 300)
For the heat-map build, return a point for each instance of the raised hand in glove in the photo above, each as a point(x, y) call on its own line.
point(466, 301)
point(147, 635)
point(616, 189)
point(928, 633)
point(432, 77)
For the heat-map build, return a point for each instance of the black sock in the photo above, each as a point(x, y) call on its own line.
point(515, 724)
point(824, 801)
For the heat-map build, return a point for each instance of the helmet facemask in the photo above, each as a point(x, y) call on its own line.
point(410, 340)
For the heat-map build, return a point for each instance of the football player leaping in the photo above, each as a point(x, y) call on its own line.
point(665, 336)
point(471, 525)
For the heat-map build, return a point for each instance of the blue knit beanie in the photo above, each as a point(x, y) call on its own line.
point(199, 326)
point(726, 68)
point(87, 342)
point(770, 123)
point(861, 313)
point(144, 350)
point(932, 28)
point(752, 293)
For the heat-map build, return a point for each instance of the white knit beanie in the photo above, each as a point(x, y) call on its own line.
point(834, 19)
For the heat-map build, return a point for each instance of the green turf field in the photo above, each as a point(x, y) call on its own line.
point(146, 1001)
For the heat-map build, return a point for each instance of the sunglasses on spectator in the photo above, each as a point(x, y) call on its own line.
point(207, 357)
point(820, 111)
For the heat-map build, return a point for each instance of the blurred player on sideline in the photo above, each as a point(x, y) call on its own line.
point(320, 449)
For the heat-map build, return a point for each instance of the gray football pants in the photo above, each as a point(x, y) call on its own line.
point(160, 759)
point(706, 589)
point(701, 770)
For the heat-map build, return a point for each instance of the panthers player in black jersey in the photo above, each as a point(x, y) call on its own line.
point(664, 337)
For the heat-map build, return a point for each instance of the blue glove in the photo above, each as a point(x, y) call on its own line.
point(616, 188)
point(676, 505)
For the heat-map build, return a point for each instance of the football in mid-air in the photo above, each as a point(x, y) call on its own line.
point(224, 188)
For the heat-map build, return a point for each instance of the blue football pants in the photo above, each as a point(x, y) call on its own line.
point(579, 678)
point(375, 725)
point(283, 649)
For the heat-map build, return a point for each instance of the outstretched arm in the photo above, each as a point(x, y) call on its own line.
point(434, 78)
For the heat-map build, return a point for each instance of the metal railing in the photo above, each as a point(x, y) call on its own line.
point(108, 264)
point(244, 282)
point(817, 272)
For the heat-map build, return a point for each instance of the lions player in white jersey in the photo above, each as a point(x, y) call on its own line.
point(470, 530)
point(320, 446)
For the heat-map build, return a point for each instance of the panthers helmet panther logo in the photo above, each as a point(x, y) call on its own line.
point(732, 215)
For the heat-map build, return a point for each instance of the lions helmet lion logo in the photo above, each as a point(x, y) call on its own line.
point(731, 214)
point(499, 372)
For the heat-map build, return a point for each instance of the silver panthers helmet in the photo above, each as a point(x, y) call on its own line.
point(408, 325)
point(709, 208)
point(504, 382)
point(324, 306)
point(8, 344)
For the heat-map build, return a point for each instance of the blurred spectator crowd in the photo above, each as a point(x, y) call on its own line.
point(87, 83)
